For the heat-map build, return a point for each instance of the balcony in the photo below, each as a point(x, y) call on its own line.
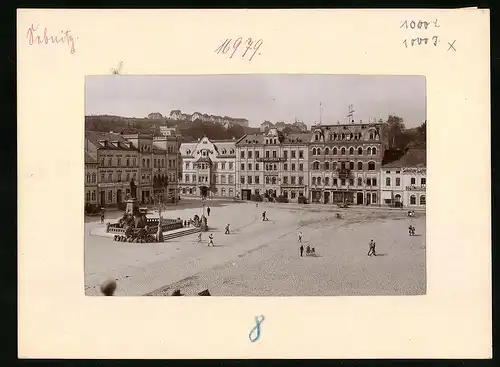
point(415, 188)
point(271, 159)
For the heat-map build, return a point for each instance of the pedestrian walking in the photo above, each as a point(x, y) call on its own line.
point(256, 205)
point(300, 236)
point(199, 237)
point(410, 230)
point(102, 217)
point(371, 251)
point(211, 240)
point(264, 216)
point(227, 229)
point(301, 248)
point(208, 211)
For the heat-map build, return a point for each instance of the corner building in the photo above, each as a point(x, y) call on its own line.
point(345, 162)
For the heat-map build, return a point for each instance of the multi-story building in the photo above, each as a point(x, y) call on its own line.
point(91, 189)
point(118, 163)
point(272, 163)
point(165, 167)
point(143, 143)
point(404, 180)
point(345, 163)
point(208, 168)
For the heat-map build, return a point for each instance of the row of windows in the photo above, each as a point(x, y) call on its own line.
point(193, 178)
point(343, 165)
point(161, 163)
point(343, 150)
point(192, 191)
point(90, 196)
point(272, 167)
point(273, 154)
point(91, 178)
point(413, 200)
point(119, 161)
point(318, 181)
point(119, 177)
point(349, 136)
point(218, 165)
point(271, 180)
point(413, 181)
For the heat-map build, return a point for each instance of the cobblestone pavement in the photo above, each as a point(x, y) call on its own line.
point(262, 258)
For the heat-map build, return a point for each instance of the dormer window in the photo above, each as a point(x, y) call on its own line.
point(231, 151)
point(223, 151)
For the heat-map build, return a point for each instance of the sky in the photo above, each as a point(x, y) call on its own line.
point(260, 97)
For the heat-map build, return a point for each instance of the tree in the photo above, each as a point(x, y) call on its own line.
point(396, 129)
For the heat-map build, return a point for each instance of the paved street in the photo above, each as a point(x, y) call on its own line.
point(262, 258)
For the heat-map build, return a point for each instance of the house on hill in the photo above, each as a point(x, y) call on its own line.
point(265, 126)
point(155, 115)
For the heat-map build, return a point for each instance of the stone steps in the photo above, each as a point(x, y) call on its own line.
point(168, 236)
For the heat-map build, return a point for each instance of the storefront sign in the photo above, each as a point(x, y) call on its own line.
point(414, 170)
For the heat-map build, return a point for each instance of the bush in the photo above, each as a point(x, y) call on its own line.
point(256, 197)
point(302, 200)
point(92, 208)
point(281, 199)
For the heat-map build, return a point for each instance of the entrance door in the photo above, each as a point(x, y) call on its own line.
point(359, 198)
point(118, 196)
point(368, 198)
point(327, 197)
point(103, 198)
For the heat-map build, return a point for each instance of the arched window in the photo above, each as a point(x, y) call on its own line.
point(351, 150)
point(314, 181)
point(422, 180)
point(316, 137)
point(334, 166)
point(318, 151)
point(316, 166)
point(223, 191)
point(360, 181)
point(335, 151)
point(314, 151)
point(374, 151)
point(327, 166)
point(371, 166)
point(388, 181)
point(231, 151)
point(343, 136)
point(335, 136)
point(413, 200)
point(422, 199)
point(360, 151)
point(369, 151)
point(342, 151)
point(351, 166)
point(413, 180)
point(360, 166)
point(327, 151)
point(397, 198)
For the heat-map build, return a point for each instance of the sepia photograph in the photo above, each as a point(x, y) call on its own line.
point(255, 185)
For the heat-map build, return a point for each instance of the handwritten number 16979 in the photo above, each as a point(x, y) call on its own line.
point(230, 47)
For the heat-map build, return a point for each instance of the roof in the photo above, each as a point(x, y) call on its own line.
point(89, 159)
point(297, 138)
point(251, 139)
point(95, 137)
point(412, 158)
point(269, 123)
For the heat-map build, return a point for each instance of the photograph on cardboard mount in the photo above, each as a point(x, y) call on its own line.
point(255, 185)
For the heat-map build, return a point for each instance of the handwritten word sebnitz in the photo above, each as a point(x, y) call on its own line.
point(36, 37)
point(249, 48)
point(420, 24)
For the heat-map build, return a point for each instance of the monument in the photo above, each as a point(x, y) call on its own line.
point(132, 204)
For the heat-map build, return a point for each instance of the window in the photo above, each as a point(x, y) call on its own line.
point(193, 177)
point(285, 166)
point(351, 181)
point(293, 166)
point(223, 165)
point(368, 182)
point(230, 165)
point(351, 151)
point(360, 166)
point(94, 176)
point(422, 181)
point(242, 179)
point(267, 180)
point(413, 180)
point(327, 165)
point(249, 166)
point(110, 196)
point(93, 195)
point(230, 192)
point(360, 181)
point(374, 182)
point(267, 153)
point(398, 181)
point(242, 154)
point(301, 166)
point(398, 172)
point(342, 151)
point(335, 182)
point(314, 151)
point(230, 178)
point(102, 161)
point(292, 194)
point(318, 151)
point(275, 167)
point(250, 154)
point(314, 180)
point(360, 151)
point(413, 200)
point(257, 180)
point(369, 151)
point(223, 192)
point(110, 161)
point(87, 196)
point(351, 166)
point(147, 163)
point(285, 180)
point(374, 198)
point(374, 151)
point(257, 166)
point(319, 180)
point(301, 154)
point(127, 177)
point(88, 177)
point(335, 151)
point(187, 165)
point(249, 178)
point(243, 166)
point(327, 181)
point(273, 180)
point(316, 137)
point(134, 176)
point(342, 181)
point(422, 199)
point(316, 166)
point(327, 151)
point(293, 178)
point(223, 179)
point(371, 166)
point(110, 177)
point(388, 181)
point(216, 179)
point(301, 180)
point(274, 154)
point(334, 166)
point(257, 154)
point(285, 154)
point(128, 162)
